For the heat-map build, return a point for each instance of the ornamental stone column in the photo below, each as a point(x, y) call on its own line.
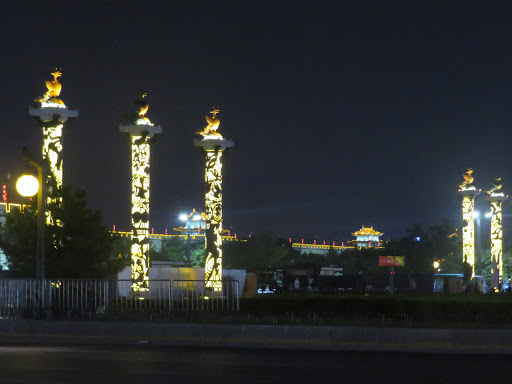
point(140, 130)
point(213, 145)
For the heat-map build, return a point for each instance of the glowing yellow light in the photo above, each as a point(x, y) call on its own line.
point(468, 192)
point(27, 185)
point(52, 150)
point(51, 97)
point(141, 130)
point(497, 236)
point(213, 205)
point(213, 144)
point(52, 114)
point(496, 203)
point(140, 212)
point(468, 230)
point(436, 264)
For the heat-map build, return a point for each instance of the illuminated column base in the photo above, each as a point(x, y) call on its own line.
point(140, 137)
point(52, 119)
point(468, 226)
point(213, 148)
point(496, 201)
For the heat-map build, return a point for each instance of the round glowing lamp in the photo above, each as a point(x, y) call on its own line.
point(436, 264)
point(27, 185)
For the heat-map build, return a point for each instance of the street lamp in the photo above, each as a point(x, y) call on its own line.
point(27, 185)
point(193, 216)
point(477, 216)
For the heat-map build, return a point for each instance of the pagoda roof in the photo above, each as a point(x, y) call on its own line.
point(365, 231)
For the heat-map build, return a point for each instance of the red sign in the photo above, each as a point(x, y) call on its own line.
point(391, 261)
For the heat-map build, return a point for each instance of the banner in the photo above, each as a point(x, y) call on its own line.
point(391, 261)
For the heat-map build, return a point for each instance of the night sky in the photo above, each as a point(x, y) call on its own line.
point(343, 113)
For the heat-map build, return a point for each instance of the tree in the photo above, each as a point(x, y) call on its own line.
point(122, 248)
point(171, 249)
point(422, 247)
point(361, 261)
point(175, 249)
point(263, 251)
point(18, 239)
point(333, 257)
point(81, 247)
point(484, 267)
point(197, 256)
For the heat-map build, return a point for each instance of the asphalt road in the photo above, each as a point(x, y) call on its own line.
point(148, 364)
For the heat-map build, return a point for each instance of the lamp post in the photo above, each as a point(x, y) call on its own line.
point(26, 186)
point(477, 215)
point(193, 216)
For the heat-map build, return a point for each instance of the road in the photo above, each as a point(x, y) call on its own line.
point(146, 364)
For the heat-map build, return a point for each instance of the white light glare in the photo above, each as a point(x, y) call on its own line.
point(183, 217)
point(488, 214)
point(476, 214)
point(27, 185)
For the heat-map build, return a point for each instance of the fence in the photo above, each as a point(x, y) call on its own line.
point(112, 299)
point(192, 295)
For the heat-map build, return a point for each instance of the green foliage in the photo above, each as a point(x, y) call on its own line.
point(172, 249)
point(121, 248)
point(357, 261)
point(332, 257)
point(437, 243)
point(18, 239)
point(507, 260)
point(309, 258)
point(467, 271)
point(81, 248)
point(483, 263)
point(431, 310)
point(197, 256)
point(175, 249)
point(263, 251)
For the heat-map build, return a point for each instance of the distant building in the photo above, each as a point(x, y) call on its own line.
point(319, 249)
point(367, 237)
point(157, 238)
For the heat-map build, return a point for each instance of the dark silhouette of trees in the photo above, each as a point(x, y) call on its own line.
point(82, 247)
point(422, 248)
point(175, 249)
point(264, 250)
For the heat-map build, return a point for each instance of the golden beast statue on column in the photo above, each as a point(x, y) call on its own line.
point(213, 124)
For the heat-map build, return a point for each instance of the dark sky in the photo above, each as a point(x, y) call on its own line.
point(343, 113)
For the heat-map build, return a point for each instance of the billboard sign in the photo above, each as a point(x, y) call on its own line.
point(391, 261)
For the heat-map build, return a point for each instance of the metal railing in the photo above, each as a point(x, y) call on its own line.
point(112, 299)
point(192, 295)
